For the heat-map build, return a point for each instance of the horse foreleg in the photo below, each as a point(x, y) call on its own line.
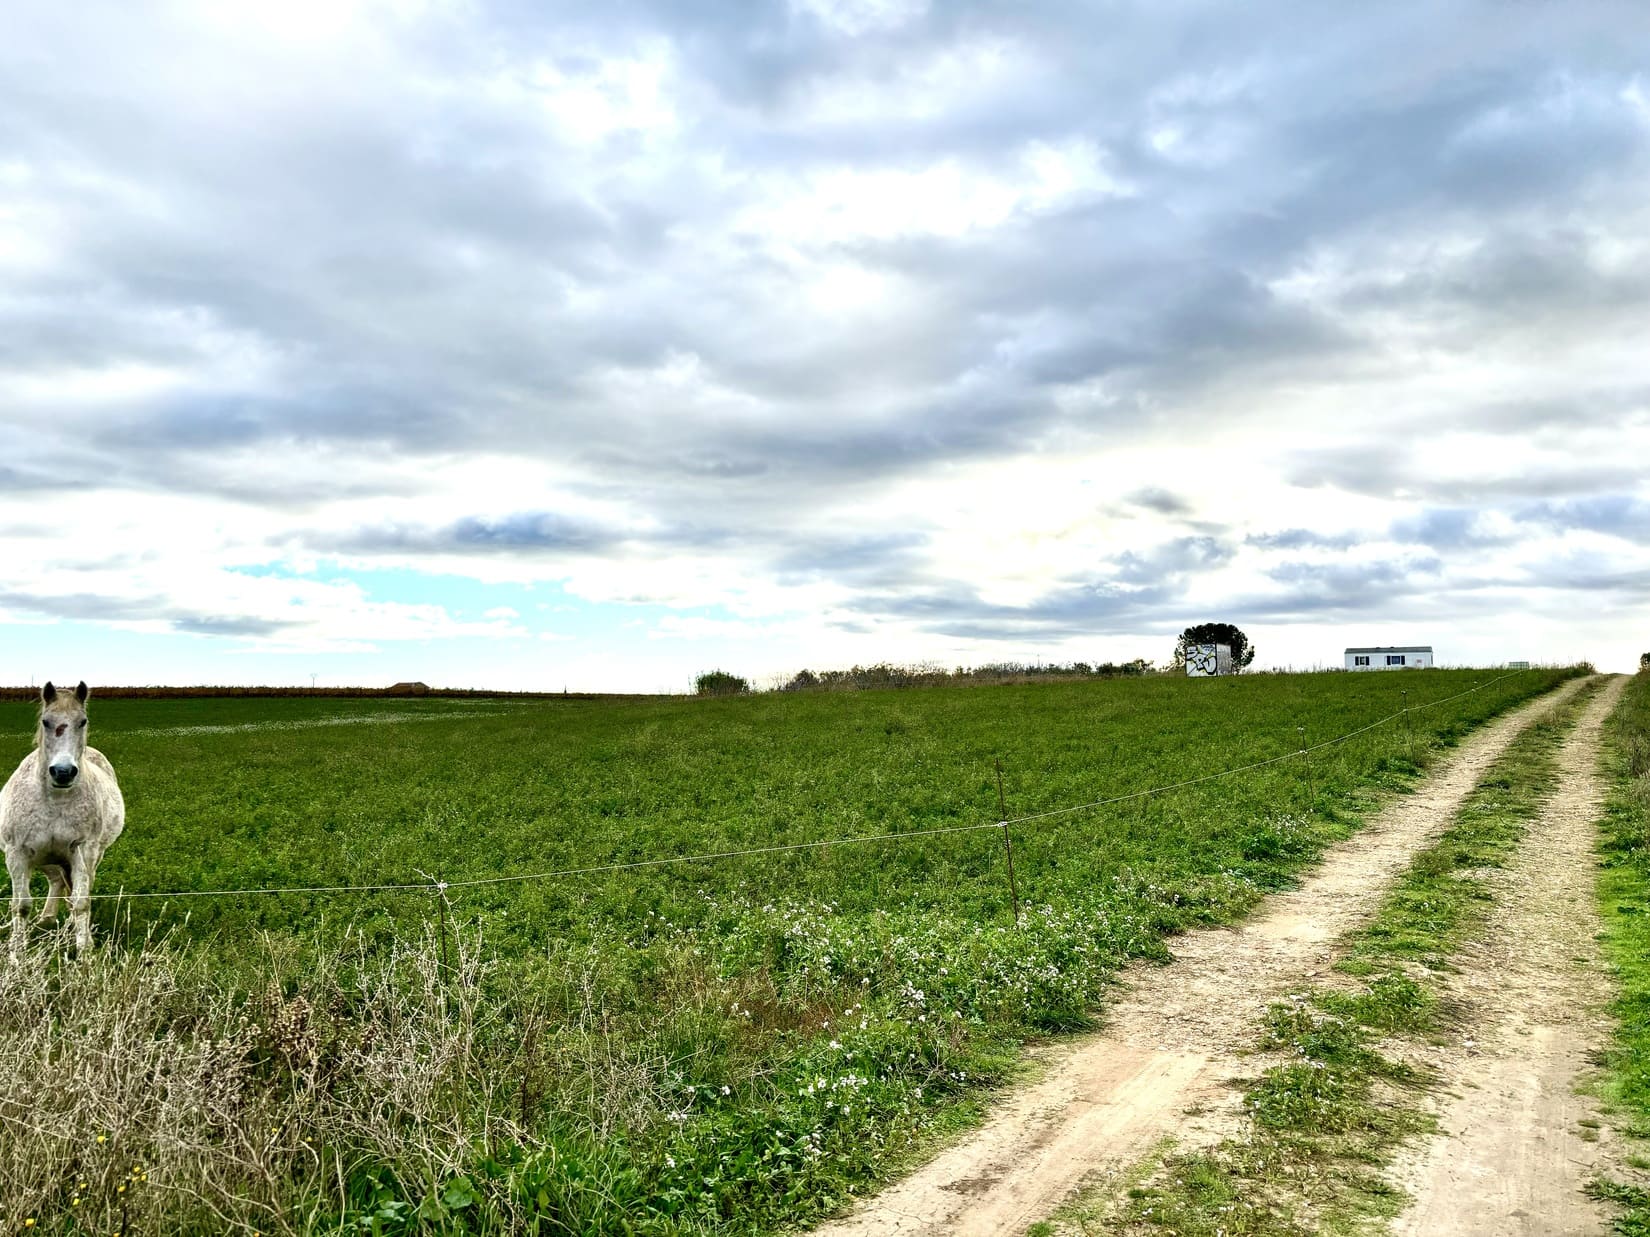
point(82, 867)
point(17, 865)
point(58, 886)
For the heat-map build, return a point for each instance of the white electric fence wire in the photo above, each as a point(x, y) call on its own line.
point(556, 873)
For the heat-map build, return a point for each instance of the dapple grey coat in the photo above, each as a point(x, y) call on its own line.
point(59, 812)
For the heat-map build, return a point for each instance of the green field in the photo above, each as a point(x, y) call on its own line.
point(725, 1045)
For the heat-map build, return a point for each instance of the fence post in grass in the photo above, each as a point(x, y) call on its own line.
point(1306, 755)
point(1008, 846)
point(1409, 730)
point(441, 893)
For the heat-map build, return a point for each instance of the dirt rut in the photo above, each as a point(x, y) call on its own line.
point(1513, 1156)
point(1173, 1037)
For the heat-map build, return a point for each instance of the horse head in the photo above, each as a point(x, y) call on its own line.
point(62, 734)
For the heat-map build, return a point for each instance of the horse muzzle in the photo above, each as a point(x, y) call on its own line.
point(62, 776)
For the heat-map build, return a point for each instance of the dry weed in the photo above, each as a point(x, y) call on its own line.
point(136, 1087)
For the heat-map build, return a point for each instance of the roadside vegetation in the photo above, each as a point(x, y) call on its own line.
point(1339, 1099)
point(720, 683)
point(724, 1047)
point(1624, 906)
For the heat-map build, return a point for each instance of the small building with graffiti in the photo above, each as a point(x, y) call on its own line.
point(1205, 661)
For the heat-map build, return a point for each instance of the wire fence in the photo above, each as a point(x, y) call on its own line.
point(444, 886)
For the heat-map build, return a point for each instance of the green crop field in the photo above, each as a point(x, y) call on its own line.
point(728, 1045)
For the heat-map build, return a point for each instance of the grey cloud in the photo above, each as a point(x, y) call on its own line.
point(1585, 572)
point(1618, 515)
point(210, 626)
point(1302, 538)
point(95, 607)
point(1349, 589)
point(525, 531)
point(1173, 560)
point(1155, 498)
point(19, 481)
point(1131, 595)
point(1381, 470)
point(860, 561)
point(1447, 528)
point(1072, 610)
point(873, 562)
point(1602, 407)
point(1517, 279)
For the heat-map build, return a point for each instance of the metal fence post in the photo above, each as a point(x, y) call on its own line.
point(1008, 845)
point(1306, 755)
point(441, 893)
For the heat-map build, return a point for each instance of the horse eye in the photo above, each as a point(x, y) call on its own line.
point(83, 722)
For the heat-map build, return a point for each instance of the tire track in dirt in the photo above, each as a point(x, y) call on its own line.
point(1173, 1037)
point(1513, 1157)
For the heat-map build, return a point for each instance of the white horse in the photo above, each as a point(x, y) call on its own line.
point(59, 812)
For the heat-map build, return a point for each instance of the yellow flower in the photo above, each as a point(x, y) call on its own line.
point(102, 1138)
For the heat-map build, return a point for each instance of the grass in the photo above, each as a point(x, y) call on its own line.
point(689, 1049)
point(1624, 907)
point(1324, 1121)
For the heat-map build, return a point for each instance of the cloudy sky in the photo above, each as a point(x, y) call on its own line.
point(533, 345)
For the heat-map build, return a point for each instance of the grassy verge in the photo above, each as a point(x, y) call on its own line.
point(694, 1049)
point(1624, 904)
point(1325, 1120)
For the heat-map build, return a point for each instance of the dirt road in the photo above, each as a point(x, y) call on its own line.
point(1173, 1037)
point(1513, 1156)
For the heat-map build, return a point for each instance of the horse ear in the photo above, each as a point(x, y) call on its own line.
point(82, 692)
point(48, 693)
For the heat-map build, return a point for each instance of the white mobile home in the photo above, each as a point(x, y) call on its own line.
point(1398, 657)
point(1208, 660)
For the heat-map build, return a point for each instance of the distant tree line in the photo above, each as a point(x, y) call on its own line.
point(400, 692)
point(886, 674)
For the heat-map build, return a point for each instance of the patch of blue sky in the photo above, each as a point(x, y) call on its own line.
point(543, 607)
point(67, 650)
point(460, 596)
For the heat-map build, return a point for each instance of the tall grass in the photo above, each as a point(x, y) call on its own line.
point(142, 1094)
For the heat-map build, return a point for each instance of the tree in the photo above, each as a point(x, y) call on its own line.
point(1215, 633)
point(1644, 661)
point(720, 683)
